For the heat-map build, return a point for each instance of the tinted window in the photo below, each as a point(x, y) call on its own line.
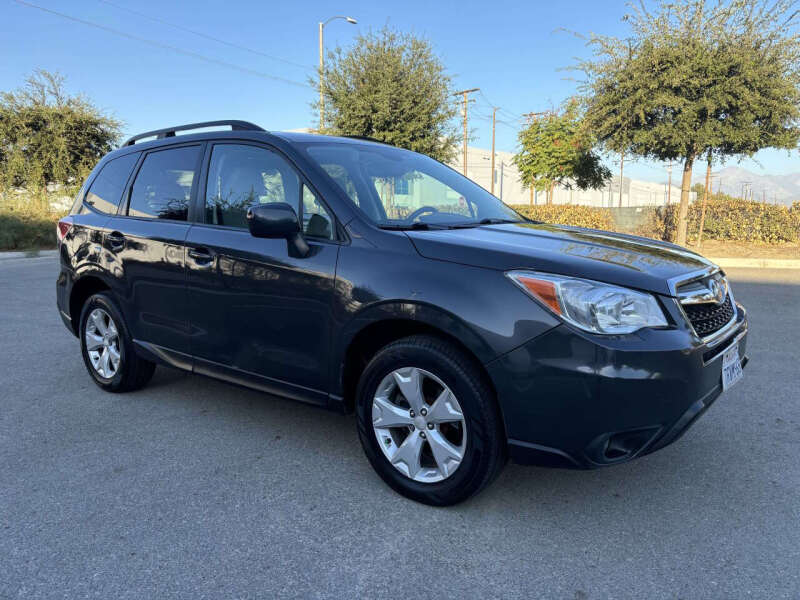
point(163, 186)
point(316, 220)
point(106, 190)
point(240, 176)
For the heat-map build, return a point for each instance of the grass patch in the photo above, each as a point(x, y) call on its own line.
point(27, 231)
point(27, 222)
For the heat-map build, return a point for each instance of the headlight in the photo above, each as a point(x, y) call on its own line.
point(591, 305)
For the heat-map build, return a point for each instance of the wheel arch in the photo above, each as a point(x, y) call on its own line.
point(82, 289)
point(390, 322)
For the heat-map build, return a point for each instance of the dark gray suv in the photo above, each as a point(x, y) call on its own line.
point(365, 278)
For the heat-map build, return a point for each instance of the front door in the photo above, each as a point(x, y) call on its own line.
point(259, 314)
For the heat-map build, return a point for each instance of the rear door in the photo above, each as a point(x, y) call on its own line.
point(147, 241)
point(259, 314)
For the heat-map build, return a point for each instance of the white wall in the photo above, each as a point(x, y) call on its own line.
point(509, 189)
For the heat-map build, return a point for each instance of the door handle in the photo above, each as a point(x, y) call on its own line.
point(203, 257)
point(116, 240)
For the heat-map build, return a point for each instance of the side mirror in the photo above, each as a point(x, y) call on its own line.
point(277, 220)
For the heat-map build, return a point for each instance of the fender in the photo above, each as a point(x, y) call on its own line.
point(403, 310)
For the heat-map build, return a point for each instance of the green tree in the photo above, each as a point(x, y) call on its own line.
point(697, 77)
point(47, 136)
point(557, 150)
point(392, 87)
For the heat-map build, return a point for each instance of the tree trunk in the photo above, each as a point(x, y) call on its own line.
point(550, 194)
point(705, 199)
point(683, 210)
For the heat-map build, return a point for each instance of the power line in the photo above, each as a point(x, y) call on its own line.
point(206, 36)
point(163, 46)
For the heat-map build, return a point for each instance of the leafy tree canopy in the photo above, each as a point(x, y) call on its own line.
point(695, 77)
point(556, 149)
point(47, 136)
point(392, 87)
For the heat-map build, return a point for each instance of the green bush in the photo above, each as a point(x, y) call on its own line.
point(731, 219)
point(27, 231)
point(568, 214)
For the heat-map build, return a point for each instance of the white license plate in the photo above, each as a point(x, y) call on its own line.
point(731, 367)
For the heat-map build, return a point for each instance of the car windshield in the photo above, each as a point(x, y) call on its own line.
point(401, 189)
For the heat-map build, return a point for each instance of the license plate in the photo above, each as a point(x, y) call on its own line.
point(731, 367)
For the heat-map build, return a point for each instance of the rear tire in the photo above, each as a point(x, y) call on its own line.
point(107, 347)
point(455, 452)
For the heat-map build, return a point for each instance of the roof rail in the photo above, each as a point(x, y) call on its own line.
point(170, 131)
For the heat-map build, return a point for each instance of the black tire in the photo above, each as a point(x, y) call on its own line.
point(485, 452)
point(133, 371)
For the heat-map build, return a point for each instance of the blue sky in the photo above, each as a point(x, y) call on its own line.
point(513, 51)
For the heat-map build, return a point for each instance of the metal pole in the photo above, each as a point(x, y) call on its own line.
point(621, 164)
point(502, 164)
point(494, 115)
point(321, 77)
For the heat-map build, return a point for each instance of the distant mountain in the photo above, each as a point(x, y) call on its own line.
point(779, 189)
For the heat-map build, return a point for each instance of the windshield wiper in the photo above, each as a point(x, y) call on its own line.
point(408, 226)
point(493, 221)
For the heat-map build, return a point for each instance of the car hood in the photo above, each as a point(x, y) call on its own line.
point(620, 259)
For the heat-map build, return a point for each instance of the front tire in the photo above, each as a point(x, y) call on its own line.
point(107, 347)
point(428, 421)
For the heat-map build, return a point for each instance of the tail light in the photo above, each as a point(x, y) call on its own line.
point(62, 228)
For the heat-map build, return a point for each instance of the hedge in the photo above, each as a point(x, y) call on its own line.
point(731, 219)
point(568, 214)
point(27, 231)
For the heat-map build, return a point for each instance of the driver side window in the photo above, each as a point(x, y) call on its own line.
point(239, 176)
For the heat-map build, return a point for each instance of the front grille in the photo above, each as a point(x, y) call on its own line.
point(708, 318)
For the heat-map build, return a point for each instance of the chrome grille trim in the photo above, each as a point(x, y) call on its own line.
point(702, 295)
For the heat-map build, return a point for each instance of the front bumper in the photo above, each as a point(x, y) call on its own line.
point(582, 401)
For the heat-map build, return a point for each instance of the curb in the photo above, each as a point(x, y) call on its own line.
point(756, 263)
point(28, 254)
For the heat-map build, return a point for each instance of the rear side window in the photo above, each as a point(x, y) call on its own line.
point(163, 186)
point(106, 190)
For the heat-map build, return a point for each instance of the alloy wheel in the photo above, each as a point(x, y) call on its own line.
point(102, 343)
point(419, 424)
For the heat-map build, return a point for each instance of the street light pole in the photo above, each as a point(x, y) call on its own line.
point(494, 115)
point(322, 24)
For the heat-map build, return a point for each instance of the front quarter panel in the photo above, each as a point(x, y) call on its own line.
point(390, 280)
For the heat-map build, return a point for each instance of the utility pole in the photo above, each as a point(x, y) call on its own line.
point(465, 94)
point(621, 164)
point(494, 120)
point(321, 75)
point(745, 186)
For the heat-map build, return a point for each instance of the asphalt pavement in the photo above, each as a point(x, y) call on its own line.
point(191, 488)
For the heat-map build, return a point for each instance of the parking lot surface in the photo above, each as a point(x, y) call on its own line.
point(191, 488)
